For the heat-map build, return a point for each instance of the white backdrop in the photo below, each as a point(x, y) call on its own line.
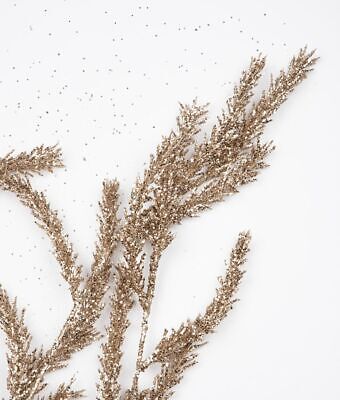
point(103, 79)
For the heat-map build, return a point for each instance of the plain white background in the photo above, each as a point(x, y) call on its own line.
point(103, 79)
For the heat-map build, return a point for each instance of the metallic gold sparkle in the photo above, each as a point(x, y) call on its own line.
point(184, 177)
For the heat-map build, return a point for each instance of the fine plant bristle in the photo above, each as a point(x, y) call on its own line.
point(65, 392)
point(185, 176)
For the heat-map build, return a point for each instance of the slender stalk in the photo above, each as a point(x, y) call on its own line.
point(139, 361)
point(154, 263)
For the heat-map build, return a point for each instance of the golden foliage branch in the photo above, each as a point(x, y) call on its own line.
point(48, 220)
point(78, 330)
point(40, 159)
point(184, 177)
point(23, 364)
point(177, 351)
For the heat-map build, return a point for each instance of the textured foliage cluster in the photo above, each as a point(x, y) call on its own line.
point(184, 177)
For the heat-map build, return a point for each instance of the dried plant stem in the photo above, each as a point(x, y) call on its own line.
point(184, 177)
point(121, 304)
point(78, 330)
point(48, 220)
point(139, 361)
point(177, 351)
point(153, 268)
point(40, 159)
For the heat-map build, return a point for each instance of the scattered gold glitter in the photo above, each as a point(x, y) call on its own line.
point(184, 177)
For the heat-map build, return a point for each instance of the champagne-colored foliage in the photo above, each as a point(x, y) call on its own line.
point(185, 176)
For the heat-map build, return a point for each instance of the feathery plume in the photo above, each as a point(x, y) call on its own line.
point(48, 220)
point(65, 392)
point(184, 177)
point(78, 330)
point(40, 159)
point(22, 363)
point(177, 351)
point(187, 176)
